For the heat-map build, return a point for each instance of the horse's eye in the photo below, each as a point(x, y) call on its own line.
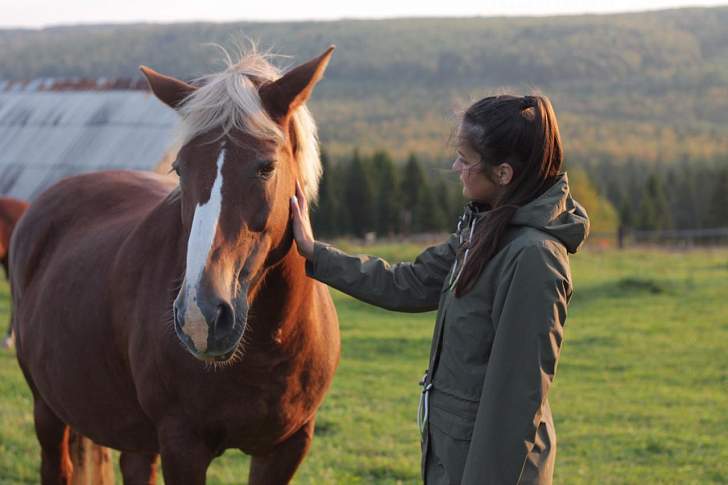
point(266, 170)
point(175, 168)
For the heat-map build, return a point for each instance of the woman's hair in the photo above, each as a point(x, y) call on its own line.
point(520, 131)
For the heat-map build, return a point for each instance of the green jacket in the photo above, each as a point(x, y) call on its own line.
point(495, 349)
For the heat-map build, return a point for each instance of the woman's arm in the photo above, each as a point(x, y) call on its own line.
point(529, 329)
point(409, 287)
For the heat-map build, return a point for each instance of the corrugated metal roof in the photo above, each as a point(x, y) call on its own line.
point(46, 135)
point(74, 84)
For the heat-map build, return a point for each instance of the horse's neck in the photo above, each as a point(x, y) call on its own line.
point(158, 241)
point(283, 300)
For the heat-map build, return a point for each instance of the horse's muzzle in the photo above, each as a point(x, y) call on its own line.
point(207, 329)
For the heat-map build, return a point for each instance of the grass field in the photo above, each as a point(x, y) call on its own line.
point(641, 394)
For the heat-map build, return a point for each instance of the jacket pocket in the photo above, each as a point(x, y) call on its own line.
point(456, 427)
point(452, 416)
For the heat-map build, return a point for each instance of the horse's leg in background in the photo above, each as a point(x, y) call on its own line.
point(9, 340)
point(52, 433)
point(185, 456)
point(278, 466)
point(138, 468)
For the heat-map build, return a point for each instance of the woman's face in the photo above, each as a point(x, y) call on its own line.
point(477, 185)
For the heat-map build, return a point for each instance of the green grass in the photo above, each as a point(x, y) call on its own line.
point(640, 397)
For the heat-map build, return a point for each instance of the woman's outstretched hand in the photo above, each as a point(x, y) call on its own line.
point(302, 231)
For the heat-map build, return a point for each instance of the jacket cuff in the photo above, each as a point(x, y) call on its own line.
point(316, 265)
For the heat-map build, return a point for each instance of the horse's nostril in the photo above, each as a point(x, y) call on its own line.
point(224, 320)
point(175, 318)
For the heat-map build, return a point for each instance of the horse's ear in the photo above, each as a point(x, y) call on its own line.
point(169, 90)
point(283, 96)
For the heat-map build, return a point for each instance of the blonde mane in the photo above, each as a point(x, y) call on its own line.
point(229, 99)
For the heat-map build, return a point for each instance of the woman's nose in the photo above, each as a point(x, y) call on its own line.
point(460, 166)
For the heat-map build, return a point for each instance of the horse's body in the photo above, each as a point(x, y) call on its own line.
point(97, 263)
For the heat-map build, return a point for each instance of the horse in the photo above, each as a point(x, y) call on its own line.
point(10, 211)
point(176, 320)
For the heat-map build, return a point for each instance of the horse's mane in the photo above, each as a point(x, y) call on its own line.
point(229, 99)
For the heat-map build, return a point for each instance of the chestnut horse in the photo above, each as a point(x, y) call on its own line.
point(10, 211)
point(179, 321)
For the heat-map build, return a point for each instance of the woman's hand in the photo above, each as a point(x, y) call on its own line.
point(302, 231)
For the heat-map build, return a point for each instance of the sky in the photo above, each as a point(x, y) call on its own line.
point(40, 13)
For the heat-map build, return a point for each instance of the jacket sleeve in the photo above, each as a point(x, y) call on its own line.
point(407, 287)
point(529, 314)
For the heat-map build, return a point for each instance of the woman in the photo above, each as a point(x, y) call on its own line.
point(501, 285)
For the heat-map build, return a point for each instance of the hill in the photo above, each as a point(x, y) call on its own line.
point(645, 86)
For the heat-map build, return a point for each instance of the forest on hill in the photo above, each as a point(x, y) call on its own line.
point(649, 86)
point(639, 96)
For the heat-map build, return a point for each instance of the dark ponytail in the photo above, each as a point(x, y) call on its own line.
point(520, 131)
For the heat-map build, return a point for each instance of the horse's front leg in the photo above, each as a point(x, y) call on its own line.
point(185, 456)
point(138, 468)
point(278, 466)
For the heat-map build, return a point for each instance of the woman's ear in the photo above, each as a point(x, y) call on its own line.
point(503, 173)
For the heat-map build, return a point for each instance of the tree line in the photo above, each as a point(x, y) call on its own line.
point(362, 194)
point(373, 194)
point(687, 195)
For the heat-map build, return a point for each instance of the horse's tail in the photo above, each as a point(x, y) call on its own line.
point(11, 210)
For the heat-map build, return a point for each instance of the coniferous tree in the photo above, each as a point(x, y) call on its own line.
point(359, 197)
point(413, 185)
point(449, 204)
point(387, 194)
point(443, 200)
point(324, 216)
point(719, 201)
point(654, 212)
point(682, 197)
point(626, 212)
point(429, 216)
point(457, 203)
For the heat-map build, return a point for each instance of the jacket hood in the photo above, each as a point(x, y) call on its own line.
point(554, 212)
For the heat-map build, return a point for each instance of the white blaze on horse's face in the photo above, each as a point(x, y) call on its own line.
point(199, 246)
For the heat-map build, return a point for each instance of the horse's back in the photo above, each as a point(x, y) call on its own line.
point(92, 210)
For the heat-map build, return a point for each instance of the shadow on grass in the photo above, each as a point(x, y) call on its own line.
point(380, 473)
point(325, 427)
point(631, 287)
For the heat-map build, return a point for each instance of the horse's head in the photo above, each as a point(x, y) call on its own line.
point(247, 139)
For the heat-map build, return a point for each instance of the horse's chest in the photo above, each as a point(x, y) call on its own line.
point(248, 408)
point(255, 420)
